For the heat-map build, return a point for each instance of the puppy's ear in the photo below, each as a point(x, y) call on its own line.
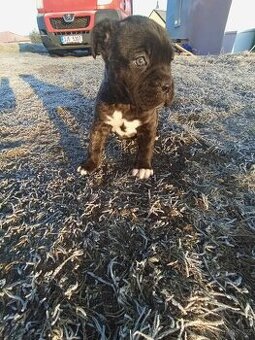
point(101, 37)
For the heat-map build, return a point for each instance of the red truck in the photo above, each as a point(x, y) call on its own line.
point(66, 24)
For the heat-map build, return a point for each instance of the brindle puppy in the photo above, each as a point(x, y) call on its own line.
point(137, 53)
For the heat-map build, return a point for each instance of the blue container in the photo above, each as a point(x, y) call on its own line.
point(201, 22)
point(228, 41)
point(245, 41)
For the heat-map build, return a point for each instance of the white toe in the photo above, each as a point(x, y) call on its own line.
point(82, 171)
point(135, 172)
point(142, 173)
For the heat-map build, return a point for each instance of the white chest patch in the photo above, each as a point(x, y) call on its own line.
point(121, 126)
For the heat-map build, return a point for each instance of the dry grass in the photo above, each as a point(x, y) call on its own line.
point(109, 257)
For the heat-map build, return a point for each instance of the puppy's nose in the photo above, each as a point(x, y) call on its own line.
point(165, 87)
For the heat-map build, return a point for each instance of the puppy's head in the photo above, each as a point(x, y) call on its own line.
point(138, 54)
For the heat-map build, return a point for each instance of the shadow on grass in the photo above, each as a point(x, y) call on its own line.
point(68, 110)
point(32, 48)
point(7, 96)
point(40, 49)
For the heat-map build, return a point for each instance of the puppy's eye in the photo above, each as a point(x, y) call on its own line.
point(140, 61)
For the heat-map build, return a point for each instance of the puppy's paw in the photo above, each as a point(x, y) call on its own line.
point(82, 171)
point(86, 168)
point(142, 173)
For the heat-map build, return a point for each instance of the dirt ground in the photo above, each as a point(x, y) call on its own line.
point(110, 257)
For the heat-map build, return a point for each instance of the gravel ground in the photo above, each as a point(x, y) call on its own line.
point(110, 257)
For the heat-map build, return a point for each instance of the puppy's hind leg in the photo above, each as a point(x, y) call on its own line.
point(98, 136)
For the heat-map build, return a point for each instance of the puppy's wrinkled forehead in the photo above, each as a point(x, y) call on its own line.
point(123, 40)
point(142, 36)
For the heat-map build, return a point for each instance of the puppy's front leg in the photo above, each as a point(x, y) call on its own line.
point(145, 140)
point(98, 135)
